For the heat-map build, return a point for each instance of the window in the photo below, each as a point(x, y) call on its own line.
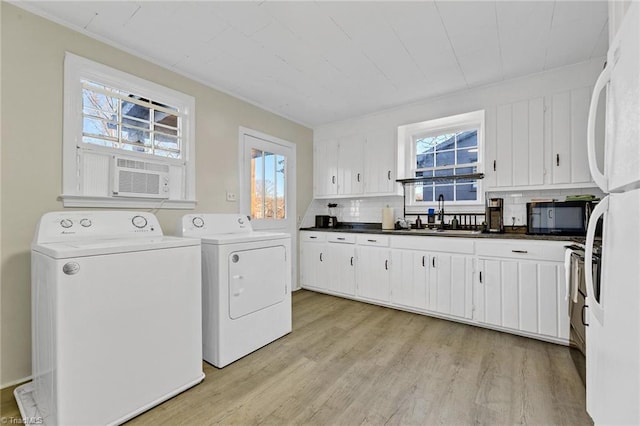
point(440, 148)
point(267, 185)
point(122, 132)
point(118, 119)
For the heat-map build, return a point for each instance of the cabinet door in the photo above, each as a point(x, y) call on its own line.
point(504, 146)
point(450, 284)
point(312, 262)
point(380, 162)
point(325, 154)
point(351, 165)
point(522, 295)
point(341, 268)
point(373, 273)
point(409, 277)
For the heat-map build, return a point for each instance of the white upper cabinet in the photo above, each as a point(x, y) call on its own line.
point(380, 162)
point(325, 166)
point(350, 165)
point(359, 163)
point(567, 115)
point(539, 142)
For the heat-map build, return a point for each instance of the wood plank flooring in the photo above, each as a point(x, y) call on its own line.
point(350, 363)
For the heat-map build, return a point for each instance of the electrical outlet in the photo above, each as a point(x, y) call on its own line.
point(231, 196)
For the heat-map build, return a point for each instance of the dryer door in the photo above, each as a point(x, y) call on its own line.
point(257, 279)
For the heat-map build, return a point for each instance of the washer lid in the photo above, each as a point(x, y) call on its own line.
point(245, 237)
point(86, 247)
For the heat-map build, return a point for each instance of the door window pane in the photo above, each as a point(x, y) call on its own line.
point(268, 185)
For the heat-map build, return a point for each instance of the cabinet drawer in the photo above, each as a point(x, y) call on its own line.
point(429, 243)
point(522, 249)
point(341, 238)
point(312, 236)
point(373, 240)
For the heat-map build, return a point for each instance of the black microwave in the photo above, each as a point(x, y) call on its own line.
point(558, 217)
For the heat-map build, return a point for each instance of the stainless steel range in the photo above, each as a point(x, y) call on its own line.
point(577, 303)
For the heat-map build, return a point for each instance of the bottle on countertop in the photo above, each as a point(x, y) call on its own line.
point(418, 223)
point(454, 222)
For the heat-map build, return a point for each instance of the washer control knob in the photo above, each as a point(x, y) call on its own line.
point(139, 221)
point(198, 222)
point(85, 222)
point(66, 223)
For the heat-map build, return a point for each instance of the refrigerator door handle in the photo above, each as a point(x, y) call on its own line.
point(595, 305)
point(598, 177)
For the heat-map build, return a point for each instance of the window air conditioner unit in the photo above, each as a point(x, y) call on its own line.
point(141, 179)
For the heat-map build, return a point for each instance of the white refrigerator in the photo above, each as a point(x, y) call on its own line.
point(613, 333)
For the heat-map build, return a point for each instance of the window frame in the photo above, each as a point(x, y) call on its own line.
point(407, 136)
point(77, 69)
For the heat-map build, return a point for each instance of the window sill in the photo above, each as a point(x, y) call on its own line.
point(112, 202)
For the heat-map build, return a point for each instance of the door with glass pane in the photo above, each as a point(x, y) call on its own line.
point(267, 184)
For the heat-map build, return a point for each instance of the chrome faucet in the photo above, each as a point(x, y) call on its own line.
point(441, 210)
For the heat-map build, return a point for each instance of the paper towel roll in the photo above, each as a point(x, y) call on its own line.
point(387, 218)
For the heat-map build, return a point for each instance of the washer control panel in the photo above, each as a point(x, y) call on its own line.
point(77, 225)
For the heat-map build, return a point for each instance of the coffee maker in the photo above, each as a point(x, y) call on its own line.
point(494, 213)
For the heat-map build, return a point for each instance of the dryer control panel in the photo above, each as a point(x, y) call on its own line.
point(193, 225)
point(78, 225)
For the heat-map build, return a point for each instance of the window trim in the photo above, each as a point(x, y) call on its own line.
point(407, 135)
point(76, 69)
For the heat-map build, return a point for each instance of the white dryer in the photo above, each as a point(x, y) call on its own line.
point(246, 285)
point(116, 318)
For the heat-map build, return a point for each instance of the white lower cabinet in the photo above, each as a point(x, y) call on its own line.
point(373, 273)
point(341, 266)
point(410, 278)
point(515, 286)
point(313, 267)
point(450, 284)
point(525, 295)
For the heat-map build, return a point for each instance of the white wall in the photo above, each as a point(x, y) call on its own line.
point(32, 56)
point(488, 98)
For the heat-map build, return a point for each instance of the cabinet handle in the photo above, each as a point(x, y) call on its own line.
point(423, 261)
point(333, 179)
point(494, 165)
point(558, 160)
point(313, 238)
point(321, 258)
point(520, 251)
point(340, 238)
point(433, 261)
point(480, 277)
point(389, 175)
point(358, 177)
point(373, 241)
point(351, 260)
point(584, 307)
point(386, 265)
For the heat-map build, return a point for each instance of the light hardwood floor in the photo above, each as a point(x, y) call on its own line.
point(350, 363)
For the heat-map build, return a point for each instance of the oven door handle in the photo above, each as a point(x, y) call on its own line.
point(595, 304)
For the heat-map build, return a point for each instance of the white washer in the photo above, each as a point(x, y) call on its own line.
point(246, 285)
point(116, 318)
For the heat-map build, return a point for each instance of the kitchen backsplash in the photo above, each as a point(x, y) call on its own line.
point(369, 209)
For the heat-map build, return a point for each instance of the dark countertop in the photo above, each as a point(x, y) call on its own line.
point(376, 228)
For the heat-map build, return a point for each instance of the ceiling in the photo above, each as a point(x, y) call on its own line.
point(317, 62)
